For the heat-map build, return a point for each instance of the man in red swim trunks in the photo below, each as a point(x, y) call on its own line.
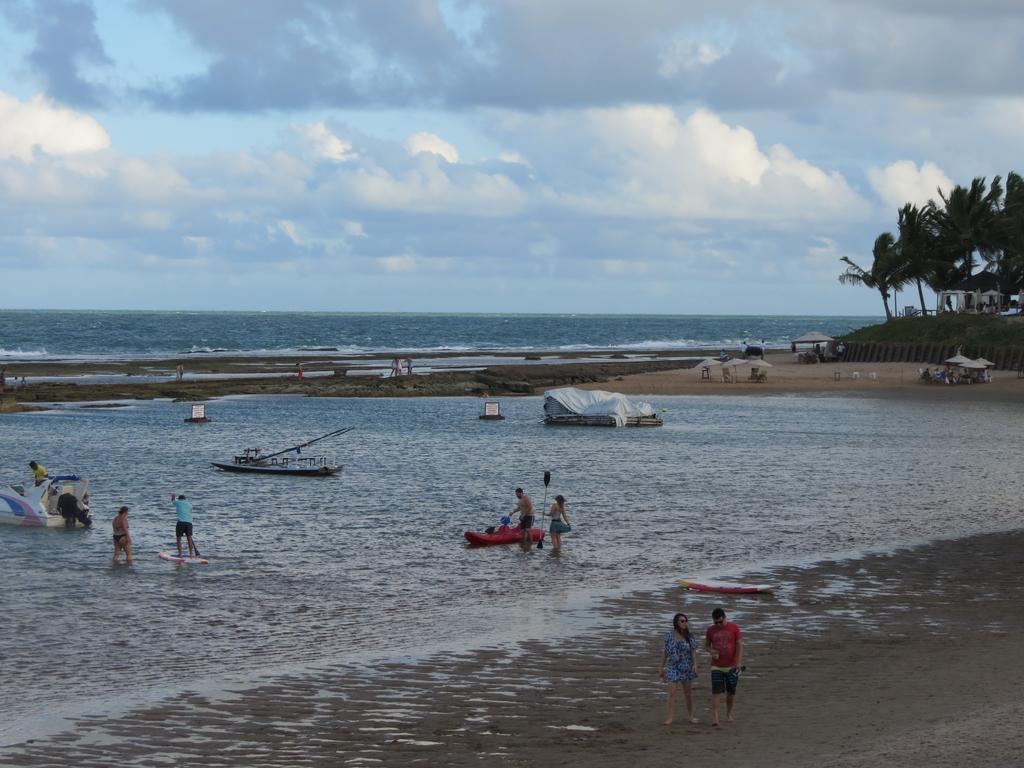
point(724, 642)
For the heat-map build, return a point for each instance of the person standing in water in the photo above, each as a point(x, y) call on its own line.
point(122, 540)
point(679, 665)
point(183, 527)
point(524, 506)
point(559, 522)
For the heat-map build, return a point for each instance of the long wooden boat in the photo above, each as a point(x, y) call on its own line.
point(283, 468)
point(254, 461)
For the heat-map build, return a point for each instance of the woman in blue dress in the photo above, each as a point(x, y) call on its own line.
point(679, 664)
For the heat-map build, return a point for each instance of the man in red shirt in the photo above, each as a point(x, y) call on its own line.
point(724, 642)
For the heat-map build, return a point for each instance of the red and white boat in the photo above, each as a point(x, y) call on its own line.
point(726, 587)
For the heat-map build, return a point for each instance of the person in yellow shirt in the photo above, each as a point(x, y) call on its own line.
point(39, 472)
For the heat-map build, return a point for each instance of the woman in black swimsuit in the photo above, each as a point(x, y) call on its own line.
point(122, 541)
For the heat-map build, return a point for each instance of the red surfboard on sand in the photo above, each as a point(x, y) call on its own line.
point(725, 587)
point(503, 535)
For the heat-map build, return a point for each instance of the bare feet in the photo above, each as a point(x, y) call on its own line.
point(669, 721)
point(694, 720)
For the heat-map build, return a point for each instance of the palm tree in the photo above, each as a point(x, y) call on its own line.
point(969, 221)
point(1010, 267)
point(916, 247)
point(883, 275)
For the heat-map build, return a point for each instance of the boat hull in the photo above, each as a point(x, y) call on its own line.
point(501, 536)
point(255, 469)
point(36, 507)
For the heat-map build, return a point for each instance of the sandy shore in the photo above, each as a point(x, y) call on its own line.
point(786, 376)
point(658, 374)
point(912, 658)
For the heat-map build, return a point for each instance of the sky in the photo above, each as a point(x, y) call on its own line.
point(587, 156)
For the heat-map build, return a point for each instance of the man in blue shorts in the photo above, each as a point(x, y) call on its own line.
point(184, 525)
point(724, 642)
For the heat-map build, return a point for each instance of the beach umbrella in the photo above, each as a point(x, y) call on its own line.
point(760, 364)
point(734, 363)
point(975, 364)
point(984, 362)
point(958, 359)
point(813, 337)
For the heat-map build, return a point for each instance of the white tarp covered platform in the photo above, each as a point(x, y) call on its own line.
point(590, 403)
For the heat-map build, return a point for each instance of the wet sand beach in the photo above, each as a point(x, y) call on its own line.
point(786, 376)
point(912, 658)
point(656, 373)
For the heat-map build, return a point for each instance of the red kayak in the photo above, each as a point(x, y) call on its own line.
point(502, 535)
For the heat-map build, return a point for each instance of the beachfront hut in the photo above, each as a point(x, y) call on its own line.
point(978, 293)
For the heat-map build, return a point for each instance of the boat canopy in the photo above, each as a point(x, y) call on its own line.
point(569, 401)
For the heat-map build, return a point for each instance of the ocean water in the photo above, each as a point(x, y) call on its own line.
point(49, 334)
point(371, 564)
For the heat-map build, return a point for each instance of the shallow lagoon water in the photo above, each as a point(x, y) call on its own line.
point(372, 564)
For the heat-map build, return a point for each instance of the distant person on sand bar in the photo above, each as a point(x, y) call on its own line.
point(679, 665)
point(524, 506)
point(122, 541)
point(179, 371)
point(183, 527)
point(724, 642)
point(299, 370)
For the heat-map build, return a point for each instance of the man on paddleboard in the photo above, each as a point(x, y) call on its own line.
point(524, 506)
point(724, 642)
point(183, 527)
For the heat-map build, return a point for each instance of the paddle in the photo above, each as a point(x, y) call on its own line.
point(544, 506)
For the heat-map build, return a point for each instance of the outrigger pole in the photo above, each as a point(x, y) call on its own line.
point(341, 431)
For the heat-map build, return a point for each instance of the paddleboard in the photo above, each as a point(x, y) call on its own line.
point(173, 557)
point(726, 587)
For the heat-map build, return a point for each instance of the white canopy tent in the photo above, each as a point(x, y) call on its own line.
point(813, 337)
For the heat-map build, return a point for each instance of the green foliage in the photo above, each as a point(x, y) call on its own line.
point(942, 242)
point(949, 329)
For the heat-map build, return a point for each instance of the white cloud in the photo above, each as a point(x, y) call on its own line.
point(324, 144)
point(39, 124)
point(904, 182)
point(644, 162)
point(427, 188)
point(430, 143)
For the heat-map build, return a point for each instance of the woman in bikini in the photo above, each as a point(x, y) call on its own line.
point(122, 541)
point(559, 521)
